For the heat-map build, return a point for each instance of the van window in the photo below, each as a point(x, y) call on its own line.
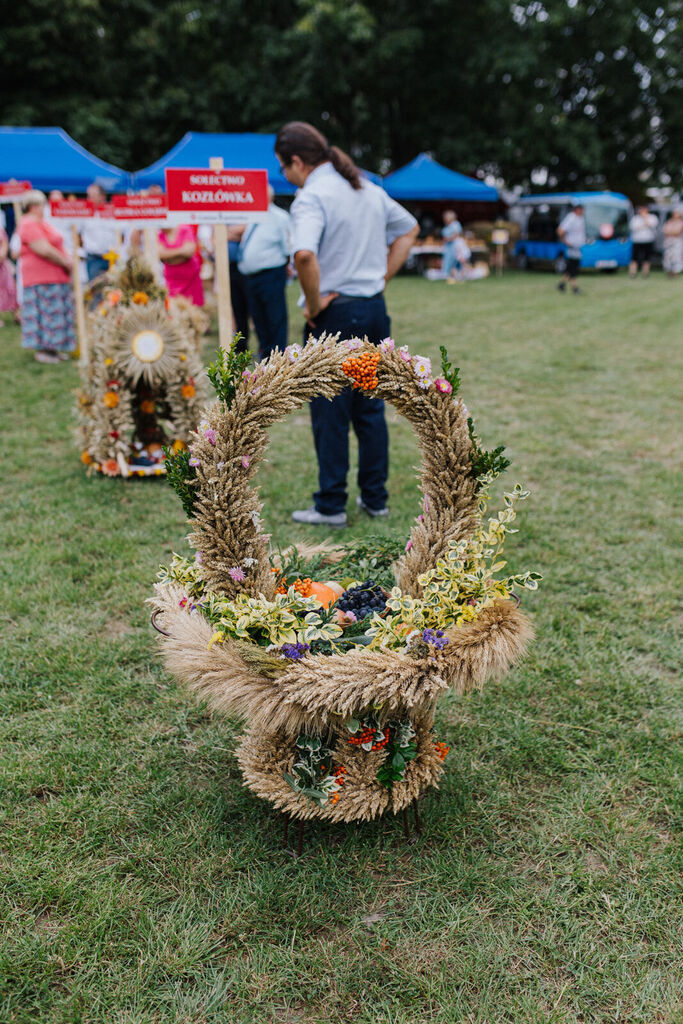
point(543, 222)
point(605, 213)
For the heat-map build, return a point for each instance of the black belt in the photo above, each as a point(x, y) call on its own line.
point(342, 299)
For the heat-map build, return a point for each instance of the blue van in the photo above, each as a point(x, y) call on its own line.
point(608, 245)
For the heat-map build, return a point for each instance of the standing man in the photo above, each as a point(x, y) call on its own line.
point(572, 231)
point(263, 263)
point(97, 237)
point(348, 239)
point(449, 232)
point(643, 227)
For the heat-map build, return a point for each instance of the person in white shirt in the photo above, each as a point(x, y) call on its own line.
point(263, 262)
point(348, 239)
point(643, 227)
point(572, 231)
point(97, 236)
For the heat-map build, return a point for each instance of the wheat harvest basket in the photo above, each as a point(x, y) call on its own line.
point(323, 729)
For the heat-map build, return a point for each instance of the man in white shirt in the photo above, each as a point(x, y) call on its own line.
point(263, 261)
point(348, 239)
point(572, 231)
point(97, 236)
point(643, 227)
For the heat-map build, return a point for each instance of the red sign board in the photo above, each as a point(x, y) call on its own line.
point(204, 196)
point(139, 208)
point(11, 190)
point(72, 209)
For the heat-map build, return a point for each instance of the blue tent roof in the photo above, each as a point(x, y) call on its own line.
point(424, 178)
point(243, 150)
point(574, 196)
point(49, 158)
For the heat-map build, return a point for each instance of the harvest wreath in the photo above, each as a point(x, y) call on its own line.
point(338, 680)
point(142, 384)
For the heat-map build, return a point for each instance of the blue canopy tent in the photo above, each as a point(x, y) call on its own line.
point(243, 150)
point(49, 158)
point(425, 179)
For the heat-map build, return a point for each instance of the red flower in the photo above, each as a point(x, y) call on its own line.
point(115, 434)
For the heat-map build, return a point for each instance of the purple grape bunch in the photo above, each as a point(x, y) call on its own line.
point(363, 599)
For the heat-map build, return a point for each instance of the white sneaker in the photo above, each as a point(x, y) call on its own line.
point(374, 512)
point(312, 517)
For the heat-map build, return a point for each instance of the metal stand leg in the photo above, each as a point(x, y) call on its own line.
point(406, 823)
point(286, 832)
point(418, 826)
point(300, 840)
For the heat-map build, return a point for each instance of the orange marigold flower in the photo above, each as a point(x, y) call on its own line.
point(147, 405)
point(110, 467)
point(187, 391)
point(87, 459)
point(108, 361)
point(179, 446)
point(114, 296)
point(111, 399)
point(140, 298)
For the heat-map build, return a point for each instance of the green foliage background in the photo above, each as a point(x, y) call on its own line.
point(590, 90)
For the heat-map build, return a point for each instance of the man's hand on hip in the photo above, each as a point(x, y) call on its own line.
point(312, 309)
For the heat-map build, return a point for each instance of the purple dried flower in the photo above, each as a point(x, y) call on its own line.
point(236, 574)
point(194, 461)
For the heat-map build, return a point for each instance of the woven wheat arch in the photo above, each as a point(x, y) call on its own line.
point(319, 693)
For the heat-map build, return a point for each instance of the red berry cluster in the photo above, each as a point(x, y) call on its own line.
point(338, 774)
point(367, 734)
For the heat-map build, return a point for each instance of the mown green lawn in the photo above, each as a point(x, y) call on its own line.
point(141, 883)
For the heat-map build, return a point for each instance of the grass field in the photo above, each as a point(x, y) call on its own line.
point(141, 884)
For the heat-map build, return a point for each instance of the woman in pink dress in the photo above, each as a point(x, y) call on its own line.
point(8, 288)
point(179, 253)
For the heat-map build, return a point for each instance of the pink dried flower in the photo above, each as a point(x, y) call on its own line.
point(236, 574)
point(422, 366)
point(246, 461)
point(425, 382)
point(194, 462)
point(387, 345)
point(409, 545)
point(353, 343)
point(210, 435)
point(443, 385)
point(405, 354)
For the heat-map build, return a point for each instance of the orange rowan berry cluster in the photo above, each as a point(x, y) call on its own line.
point(442, 750)
point(302, 587)
point(362, 370)
point(364, 736)
point(338, 774)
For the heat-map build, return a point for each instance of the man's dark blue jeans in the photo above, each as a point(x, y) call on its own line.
point(268, 308)
point(96, 265)
point(353, 317)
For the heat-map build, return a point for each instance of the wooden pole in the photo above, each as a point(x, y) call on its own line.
point(152, 249)
point(500, 259)
point(78, 298)
point(220, 235)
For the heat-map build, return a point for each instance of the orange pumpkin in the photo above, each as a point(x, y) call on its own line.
point(325, 595)
point(336, 587)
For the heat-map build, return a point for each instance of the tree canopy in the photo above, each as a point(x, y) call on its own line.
point(587, 92)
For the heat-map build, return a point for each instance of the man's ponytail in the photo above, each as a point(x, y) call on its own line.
point(303, 140)
point(343, 163)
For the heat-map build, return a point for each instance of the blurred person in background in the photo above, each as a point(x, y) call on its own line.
point(47, 322)
point(263, 263)
point(643, 227)
point(449, 232)
point(673, 244)
point(180, 255)
point(8, 287)
point(97, 236)
point(572, 231)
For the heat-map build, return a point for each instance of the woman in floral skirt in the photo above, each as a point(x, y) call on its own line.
point(47, 322)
